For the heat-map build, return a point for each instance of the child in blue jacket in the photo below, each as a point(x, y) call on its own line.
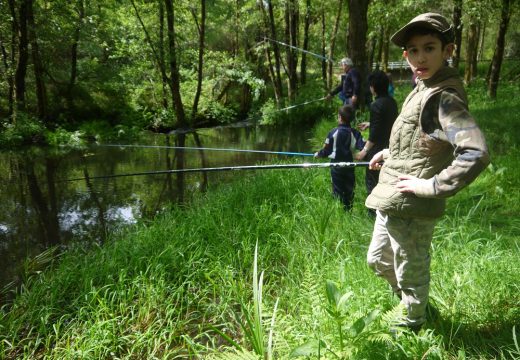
point(340, 144)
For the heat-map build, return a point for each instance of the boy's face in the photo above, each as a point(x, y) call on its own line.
point(425, 55)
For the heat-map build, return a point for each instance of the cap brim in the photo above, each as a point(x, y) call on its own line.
point(399, 38)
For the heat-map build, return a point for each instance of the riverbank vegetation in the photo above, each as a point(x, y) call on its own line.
point(272, 267)
point(93, 70)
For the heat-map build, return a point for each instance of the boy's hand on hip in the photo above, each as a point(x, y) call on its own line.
point(414, 185)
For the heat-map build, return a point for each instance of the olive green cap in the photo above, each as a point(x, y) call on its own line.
point(431, 21)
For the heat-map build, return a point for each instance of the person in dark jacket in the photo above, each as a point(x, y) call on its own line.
point(383, 112)
point(349, 89)
point(340, 144)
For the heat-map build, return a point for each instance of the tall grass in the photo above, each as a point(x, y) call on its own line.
point(182, 285)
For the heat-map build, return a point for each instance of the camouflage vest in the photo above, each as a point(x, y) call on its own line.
point(414, 152)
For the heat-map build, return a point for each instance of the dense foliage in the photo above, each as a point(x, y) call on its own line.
point(165, 64)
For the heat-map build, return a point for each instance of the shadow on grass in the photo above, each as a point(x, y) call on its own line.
point(495, 340)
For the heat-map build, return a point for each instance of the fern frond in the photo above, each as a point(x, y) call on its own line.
point(394, 316)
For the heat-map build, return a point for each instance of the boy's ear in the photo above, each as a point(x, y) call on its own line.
point(405, 54)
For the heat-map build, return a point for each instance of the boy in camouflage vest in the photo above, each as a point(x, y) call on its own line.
point(435, 150)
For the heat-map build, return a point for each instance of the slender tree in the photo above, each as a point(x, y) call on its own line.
point(357, 30)
point(498, 56)
point(158, 54)
point(175, 83)
point(271, 42)
point(385, 47)
point(457, 25)
point(41, 93)
point(201, 28)
point(291, 32)
point(9, 60)
point(267, 47)
point(470, 70)
point(326, 85)
point(306, 26)
point(162, 61)
point(23, 57)
point(276, 48)
point(74, 54)
point(333, 43)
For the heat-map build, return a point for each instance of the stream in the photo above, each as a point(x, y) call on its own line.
point(41, 211)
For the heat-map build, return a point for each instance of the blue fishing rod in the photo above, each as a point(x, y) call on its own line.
point(288, 153)
point(231, 168)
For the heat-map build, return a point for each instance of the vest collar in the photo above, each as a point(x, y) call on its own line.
point(441, 75)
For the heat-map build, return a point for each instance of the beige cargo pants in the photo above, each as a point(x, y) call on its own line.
point(400, 253)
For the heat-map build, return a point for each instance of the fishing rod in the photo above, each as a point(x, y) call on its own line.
point(231, 168)
point(305, 103)
point(300, 49)
point(211, 149)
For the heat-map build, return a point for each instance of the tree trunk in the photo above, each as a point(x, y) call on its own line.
point(482, 36)
point(276, 49)
point(202, 31)
point(162, 62)
point(306, 26)
point(358, 28)
point(236, 40)
point(291, 31)
point(23, 57)
point(41, 94)
point(159, 56)
point(471, 53)
point(324, 51)
point(333, 43)
point(457, 25)
point(496, 64)
point(12, 58)
point(385, 47)
point(380, 46)
point(74, 56)
point(272, 73)
point(174, 69)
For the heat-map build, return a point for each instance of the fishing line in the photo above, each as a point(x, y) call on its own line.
point(305, 103)
point(231, 168)
point(210, 149)
point(302, 50)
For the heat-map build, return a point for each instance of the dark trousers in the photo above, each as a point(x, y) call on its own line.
point(343, 184)
point(371, 179)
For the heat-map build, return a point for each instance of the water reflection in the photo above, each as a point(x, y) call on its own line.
point(39, 210)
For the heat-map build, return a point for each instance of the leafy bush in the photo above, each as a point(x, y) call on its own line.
point(102, 131)
point(23, 131)
point(61, 136)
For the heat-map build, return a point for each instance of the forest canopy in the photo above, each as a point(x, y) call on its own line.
point(169, 64)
